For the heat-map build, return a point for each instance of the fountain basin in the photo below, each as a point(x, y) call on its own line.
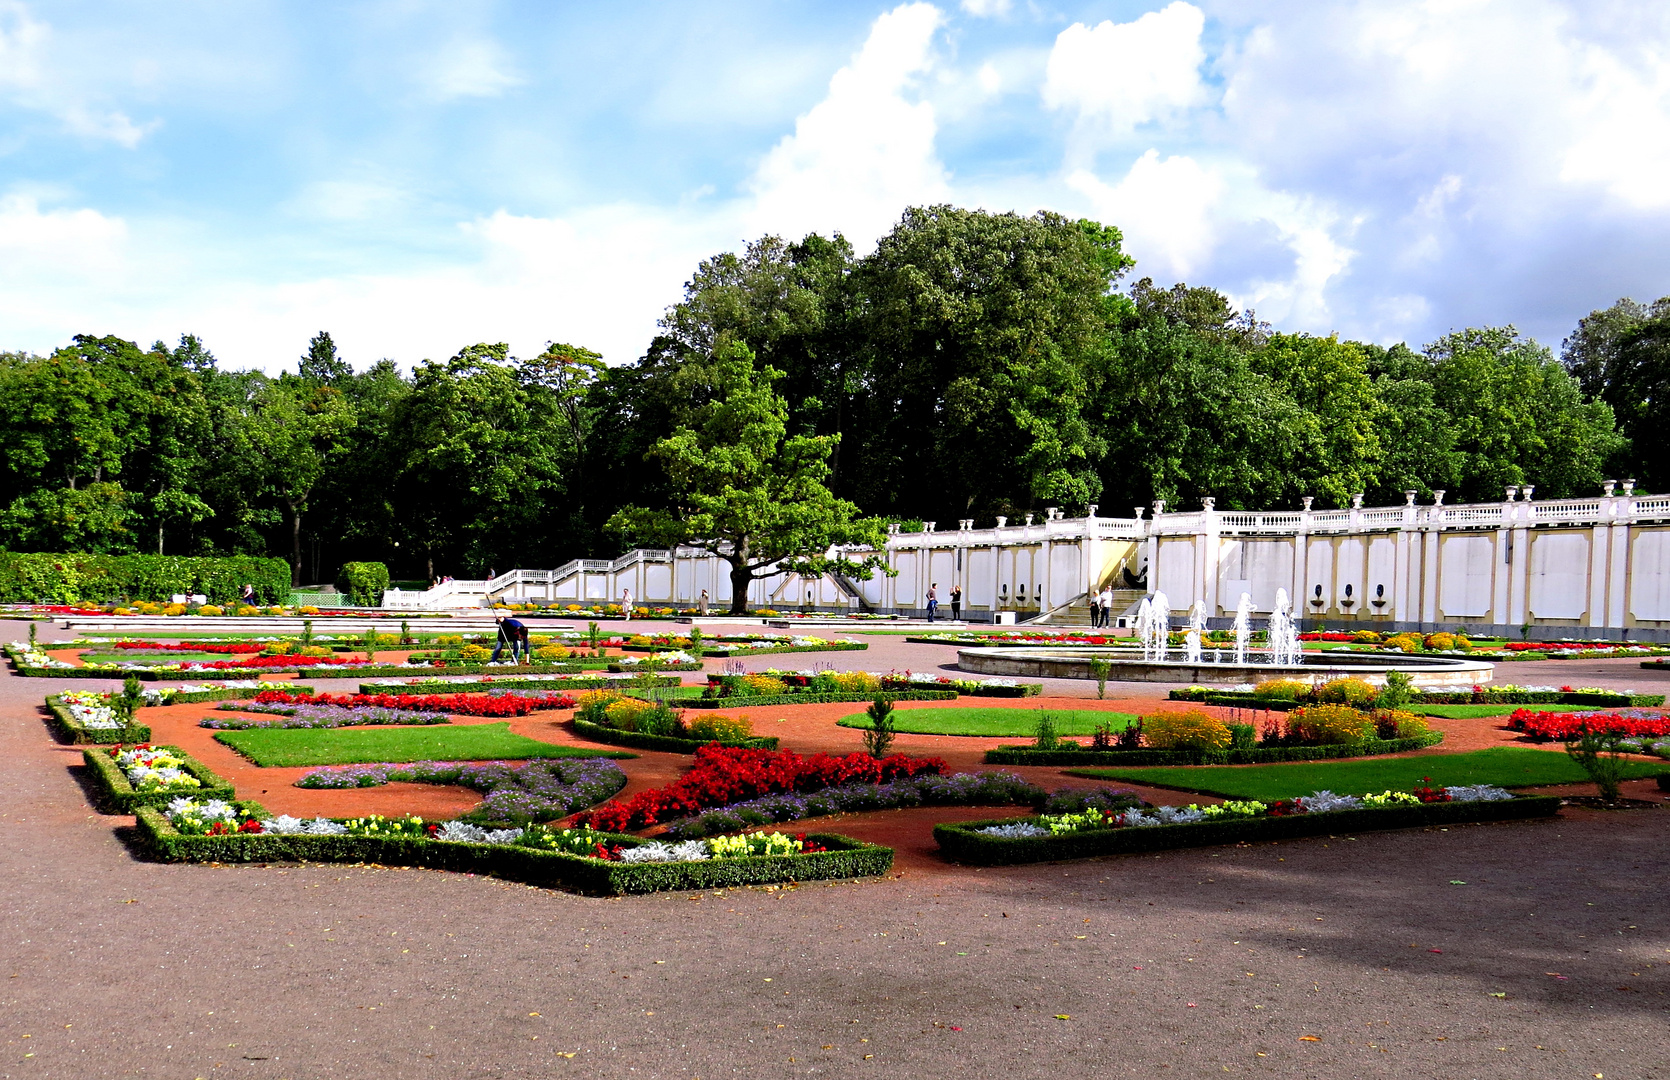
point(1437, 672)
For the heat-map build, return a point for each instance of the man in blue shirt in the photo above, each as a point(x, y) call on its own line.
point(512, 632)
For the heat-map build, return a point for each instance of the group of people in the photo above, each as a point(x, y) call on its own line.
point(956, 601)
point(1101, 608)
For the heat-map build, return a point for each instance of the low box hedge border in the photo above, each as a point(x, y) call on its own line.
point(118, 793)
point(1244, 700)
point(962, 842)
point(236, 693)
point(691, 666)
point(1260, 755)
point(508, 684)
point(813, 699)
point(847, 858)
point(722, 651)
point(1021, 690)
point(67, 725)
point(669, 743)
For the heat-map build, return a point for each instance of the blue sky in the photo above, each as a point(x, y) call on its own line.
point(415, 177)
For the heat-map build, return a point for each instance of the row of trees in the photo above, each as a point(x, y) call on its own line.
point(974, 365)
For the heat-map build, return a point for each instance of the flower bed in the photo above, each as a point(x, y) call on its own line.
point(535, 857)
point(1259, 755)
point(514, 682)
point(958, 789)
point(514, 795)
point(1478, 695)
point(743, 645)
point(150, 776)
point(1040, 839)
point(84, 716)
point(722, 775)
point(318, 716)
point(830, 682)
point(234, 647)
point(1552, 727)
point(678, 660)
point(506, 704)
point(671, 744)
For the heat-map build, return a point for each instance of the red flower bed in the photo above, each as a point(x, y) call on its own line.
point(723, 775)
point(281, 662)
point(453, 704)
point(1551, 727)
point(1319, 635)
point(186, 646)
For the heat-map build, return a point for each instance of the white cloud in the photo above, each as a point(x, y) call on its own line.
point(35, 80)
point(865, 151)
point(475, 68)
point(985, 9)
point(1164, 208)
point(1119, 75)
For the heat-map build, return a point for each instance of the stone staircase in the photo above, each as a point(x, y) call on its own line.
point(1077, 613)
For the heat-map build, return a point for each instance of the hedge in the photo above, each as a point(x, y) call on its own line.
point(236, 693)
point(739, 702)
point(846, 858)
point(68, 726)
point(1262, 755)
point(669, 743)
point(119, 794)
point(509, 684)
point(363, 583)
point(962, 842)
point(720, 650)
point(80, 578)
point(1245, 700)
point(692, 666)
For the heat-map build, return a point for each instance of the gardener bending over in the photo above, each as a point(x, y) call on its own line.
point(512, 632)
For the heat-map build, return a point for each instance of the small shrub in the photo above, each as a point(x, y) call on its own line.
point(313, 651)
point(622, 714)
point(1101, 669)
point(247, 610)
point(1045, 737)
point(855, 682)
point(551, 652)
point(1397, 724)
point(174, 609)
point(1349, 691)
point(475, 654)
point(1282, 689)
point(1102, 737)
point(1131, 737)
point(278, 648)
point(1192, 730)
point(1601, 755)
point(878, 738)
point(210, 609)
point(720, 727)
point(1242, 736)
point(592, 704)
point(1366, 637)
point(1439, 641)
point(1462, 644)
point(450, 639)
point(307, 609)
point(1322, 725)
point(764, 685)
point(1398, 691)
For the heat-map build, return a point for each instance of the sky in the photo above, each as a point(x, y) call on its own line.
point(415, 177)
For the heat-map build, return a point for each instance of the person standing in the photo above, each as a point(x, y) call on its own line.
point(701, 605)
point(1107, 606)
point(956, 603)
point(1095, 610)
point(247, 597)
point(933, 600)
point(626, 603)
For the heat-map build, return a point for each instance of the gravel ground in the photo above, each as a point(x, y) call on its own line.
point(1333, 957)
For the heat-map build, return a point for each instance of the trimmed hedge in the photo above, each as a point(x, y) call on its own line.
point(506, 684)
point(236, 693)
point(720, 650)
point(1263, 755)
point(692, 666)
point(118, 793)
point(671, 744)
point(68, 726)
point(1020, 690)
point(1246, 700)
point(363, 583)
point(961, 842)
point(846, 858)
point(739, 702)
point(79, 578)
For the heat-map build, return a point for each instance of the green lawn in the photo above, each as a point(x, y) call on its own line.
point(1504, 766)
point(140, 656)
point(1007, 723)
point(1467, 712)
point(452, 742)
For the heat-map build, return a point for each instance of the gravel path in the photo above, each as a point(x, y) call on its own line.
point(1217, 962)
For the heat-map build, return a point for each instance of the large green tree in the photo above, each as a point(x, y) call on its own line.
point(748, 491)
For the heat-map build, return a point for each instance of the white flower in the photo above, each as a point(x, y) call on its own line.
point(1478, 793)
point(658, 851)
point(1323, 801)
point(1015, 830)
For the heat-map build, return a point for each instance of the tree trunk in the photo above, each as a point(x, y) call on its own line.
point(741, 577)
point(159, 538)
point(295, 543)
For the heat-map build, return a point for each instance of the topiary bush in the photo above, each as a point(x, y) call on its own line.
point(363, 583)
point(1349, 691)
point(1192, 730)
point(1282, 689)
point(721, 728)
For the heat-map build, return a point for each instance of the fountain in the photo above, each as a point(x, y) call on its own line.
point(1281, 658)
point(1243, 627)
point(1197, 627)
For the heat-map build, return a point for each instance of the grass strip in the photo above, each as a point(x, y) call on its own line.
point(668, 743)
point(1468, 712)
point(1257, 755)
point(292, 747)
point(963, 842)
point(1503, 766)
point(993, 722)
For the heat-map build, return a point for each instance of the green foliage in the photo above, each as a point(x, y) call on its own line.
point(1044, 736)
point(363, 583)
point(1398, 692)
point(1600, 754)
point(1101, 669)
point(878, 737)
point(81, 578)
point(995, 723)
